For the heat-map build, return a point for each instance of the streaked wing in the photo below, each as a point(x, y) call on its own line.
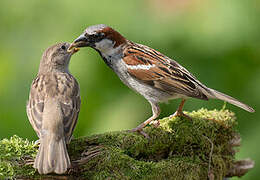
point(159, 71)
point(70, 104)
point(63, 87)
point(35, 105)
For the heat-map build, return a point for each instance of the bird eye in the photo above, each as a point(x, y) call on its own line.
point(63, 47)
point(100, 34)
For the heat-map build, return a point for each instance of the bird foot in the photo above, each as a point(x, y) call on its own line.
point(180, 114)
point(155, 123)
point(37, 142)
point(140, 130)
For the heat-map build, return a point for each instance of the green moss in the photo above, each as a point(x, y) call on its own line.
point(178, 149)
point(13, 154)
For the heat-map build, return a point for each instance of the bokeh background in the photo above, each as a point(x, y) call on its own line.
point(218, 41)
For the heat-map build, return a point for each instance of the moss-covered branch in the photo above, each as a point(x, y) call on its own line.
point(201, 148)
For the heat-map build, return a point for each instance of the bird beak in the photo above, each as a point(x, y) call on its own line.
point(81, 41)
point(74, 50)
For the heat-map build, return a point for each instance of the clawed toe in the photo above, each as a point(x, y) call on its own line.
point(37, 142)
point(180, 114)
point(140, 130)
point(155, 123)
point(186, 116)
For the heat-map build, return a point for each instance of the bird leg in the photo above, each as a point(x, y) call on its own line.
point(179, 111)
point(156, 113)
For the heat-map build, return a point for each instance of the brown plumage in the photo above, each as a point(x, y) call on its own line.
point(53, 108)
point(164, 73)
point(147, 71)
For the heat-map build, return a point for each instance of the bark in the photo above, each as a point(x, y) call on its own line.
point(180, 148)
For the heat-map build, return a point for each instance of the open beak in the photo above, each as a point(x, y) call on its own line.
point(81, 41)
point(73, 50)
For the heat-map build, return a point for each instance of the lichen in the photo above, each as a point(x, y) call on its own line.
point(178, 149)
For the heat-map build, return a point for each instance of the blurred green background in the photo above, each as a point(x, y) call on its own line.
point(218, 41)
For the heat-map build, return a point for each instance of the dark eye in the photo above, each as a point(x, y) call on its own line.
point(63, 47)
point(98, 37)
point(99, 34)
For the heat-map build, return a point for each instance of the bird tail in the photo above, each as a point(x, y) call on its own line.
point(52, 155)
point(218, 95)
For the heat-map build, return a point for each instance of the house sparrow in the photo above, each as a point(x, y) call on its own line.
point(147, 71)
point(53, 108)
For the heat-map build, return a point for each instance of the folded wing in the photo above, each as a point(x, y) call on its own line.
point(153, 68)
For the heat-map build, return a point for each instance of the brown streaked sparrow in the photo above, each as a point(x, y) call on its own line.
point(53, 108)
point(145, 70)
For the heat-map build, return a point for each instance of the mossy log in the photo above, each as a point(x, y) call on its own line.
point(180, 148)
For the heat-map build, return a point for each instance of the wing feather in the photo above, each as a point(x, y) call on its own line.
point(35, 106)
point(68, 97)
point(153, 68)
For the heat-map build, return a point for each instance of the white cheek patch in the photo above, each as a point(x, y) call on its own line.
point(104, 45)
point(140, 66)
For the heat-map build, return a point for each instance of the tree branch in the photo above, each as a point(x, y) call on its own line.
point(201, 148)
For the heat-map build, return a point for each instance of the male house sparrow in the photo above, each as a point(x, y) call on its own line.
point(53, 108)
point(147, 71)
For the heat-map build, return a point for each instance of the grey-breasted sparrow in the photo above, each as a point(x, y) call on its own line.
point(147, 71)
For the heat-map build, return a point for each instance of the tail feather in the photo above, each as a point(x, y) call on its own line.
point(231, 100)
point(52, 156)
